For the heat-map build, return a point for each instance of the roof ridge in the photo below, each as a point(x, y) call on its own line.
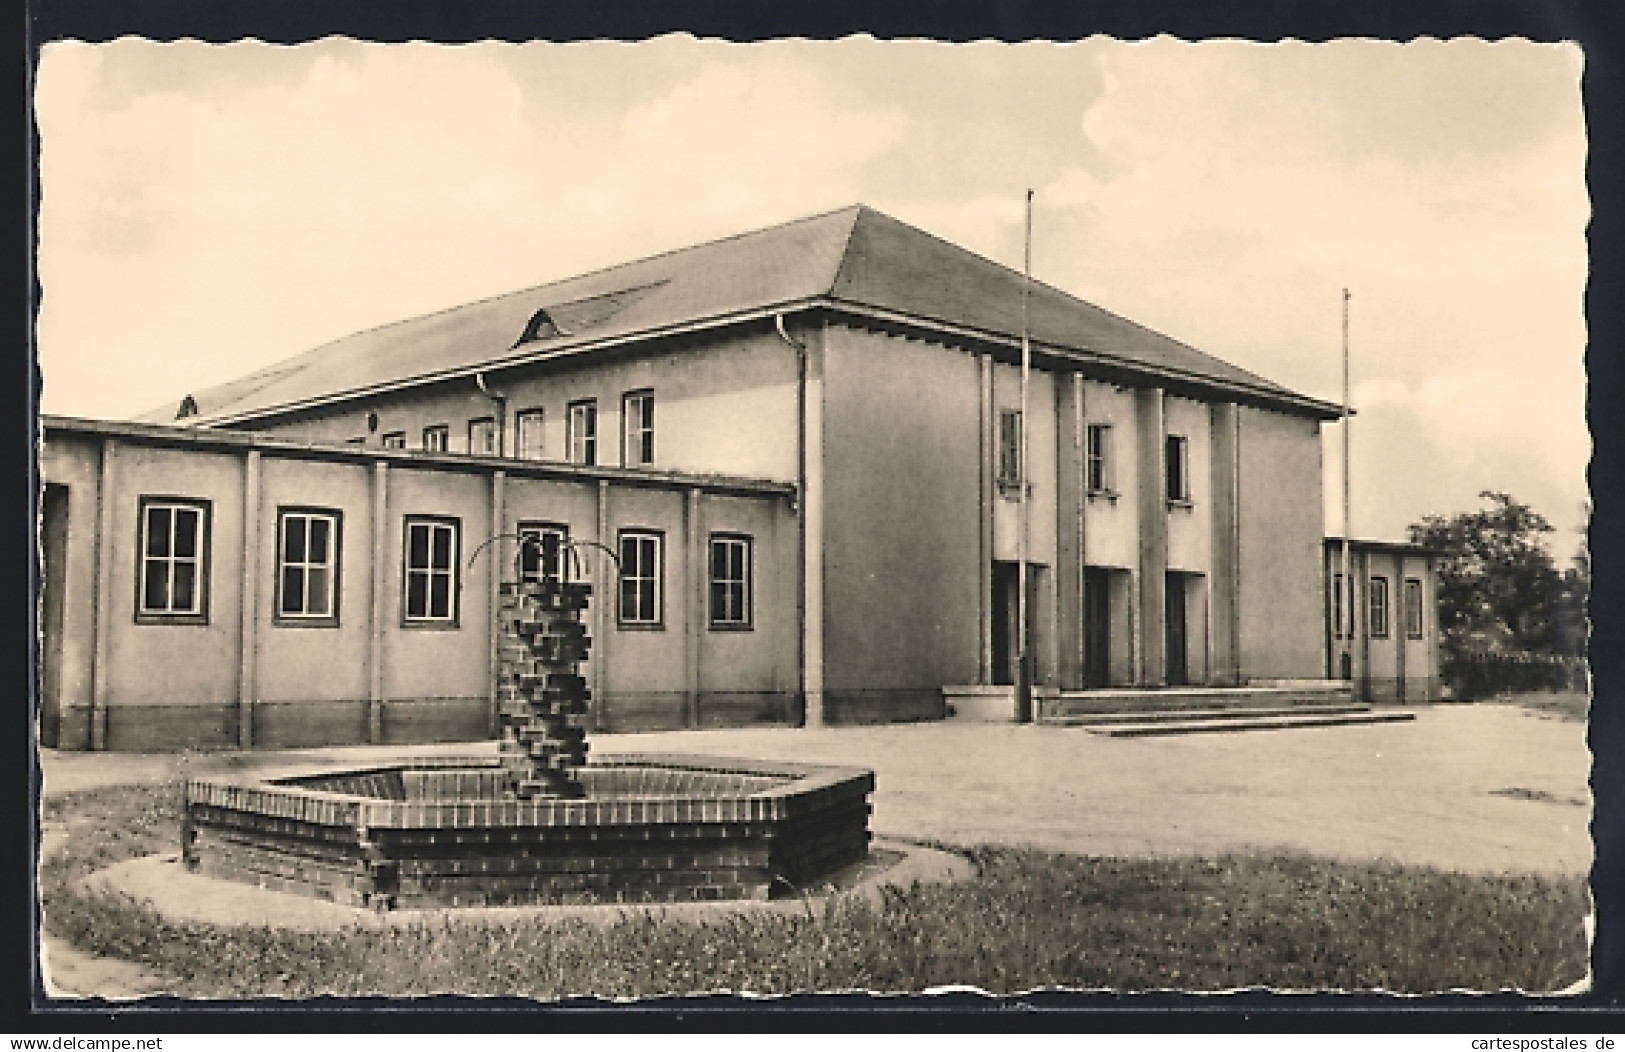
point(1038, 283)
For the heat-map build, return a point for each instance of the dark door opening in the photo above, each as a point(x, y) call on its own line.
point(1005, 585)
point(1096, 627)
point(1178, 669)
point(53, 579)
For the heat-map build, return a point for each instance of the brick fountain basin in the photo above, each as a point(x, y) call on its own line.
point(434, 832)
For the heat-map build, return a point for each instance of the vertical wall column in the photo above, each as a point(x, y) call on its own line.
point(1153, 506)
point(1224, 631)
point(496, 562)
point(1397, 627)
point(380, 588)
point(1070, 464)
point(248, 638)
point(985, 419)
point(693, 605)
point(812, 538)
point(101, 661)
point(603, 593)
point(1360, 618)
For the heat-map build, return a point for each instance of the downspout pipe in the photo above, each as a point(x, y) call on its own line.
point(501, 403)
point(809, 718)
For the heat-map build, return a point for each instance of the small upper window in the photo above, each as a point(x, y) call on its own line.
point(307, 566)
point(1179, 480)
point(482, 437)
point(1339, 618)
point(394, 440)
point(1379, 608)
point(173, 579)
point(430, 571)
point(436, 439)
point(638, 429)
point(1100, 458)
point(528, 434)
point(1413, 608)
point(1009, 449)
point(581, 429)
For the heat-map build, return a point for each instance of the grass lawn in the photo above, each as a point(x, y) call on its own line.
point(1030, 919)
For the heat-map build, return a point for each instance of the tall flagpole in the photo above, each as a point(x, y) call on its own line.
point(1346, 599)
point(1024, 680)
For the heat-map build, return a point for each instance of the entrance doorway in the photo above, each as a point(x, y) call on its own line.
point(1096, 627)
point(1178, 631)
point(54, 548)
point(1004, 630)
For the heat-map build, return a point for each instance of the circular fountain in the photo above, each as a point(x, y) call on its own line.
point(538, 822)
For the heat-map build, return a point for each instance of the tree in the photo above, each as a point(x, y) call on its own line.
point(1499, 590)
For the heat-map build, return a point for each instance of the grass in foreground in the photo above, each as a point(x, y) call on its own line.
point(1031, 919)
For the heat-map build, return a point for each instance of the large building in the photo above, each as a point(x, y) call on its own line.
point(800, 444)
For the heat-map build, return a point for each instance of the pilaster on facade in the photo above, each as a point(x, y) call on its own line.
point(1151, 430)
point(1225, 620)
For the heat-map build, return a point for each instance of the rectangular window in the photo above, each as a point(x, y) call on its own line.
point(1413, 608)
point(307, 566)
point(1337, 606)
point(1009, 476)
point(528, 434)
point(436, 439)
point(173, 580)
point(530, 555)
point(395, 440)
point(637, 429)
point(1379, 607)
point(430, 571)
point(581, 432)
point(1179, 483)
point(730, 581)
point(640, 577)
point(482, 437)
point(1099, 458)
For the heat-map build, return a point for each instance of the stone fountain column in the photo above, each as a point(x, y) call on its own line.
point(541, 695)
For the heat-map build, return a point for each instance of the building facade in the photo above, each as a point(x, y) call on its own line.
point(842, 394)
point(1382, 620)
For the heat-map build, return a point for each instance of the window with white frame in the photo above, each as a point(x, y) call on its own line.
point(430, 570)
point(1009, 473)
point(532, 538)
point(528, 434)
point(307, 566)
point(1178, 469)
point(641, 558)
point(637, 429)
point(1413, 608)
point(482, 437)
point(1379, 607)
point(730, 580)
point(394, 440)
point(1099, 458)
point(581, 431)
point(436, 439)
point(172, 583)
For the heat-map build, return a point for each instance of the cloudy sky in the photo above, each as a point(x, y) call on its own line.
point(210, 209)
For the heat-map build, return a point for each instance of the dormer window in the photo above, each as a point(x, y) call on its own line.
point(541, 327)
point(188, 407)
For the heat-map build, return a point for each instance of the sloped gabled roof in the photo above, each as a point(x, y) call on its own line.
point(855, 258)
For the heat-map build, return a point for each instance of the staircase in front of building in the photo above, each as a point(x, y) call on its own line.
point(1138, 712)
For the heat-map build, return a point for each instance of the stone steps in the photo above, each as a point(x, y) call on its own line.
point(1185, 699)
point(1243, 721)
point(1100, 719)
